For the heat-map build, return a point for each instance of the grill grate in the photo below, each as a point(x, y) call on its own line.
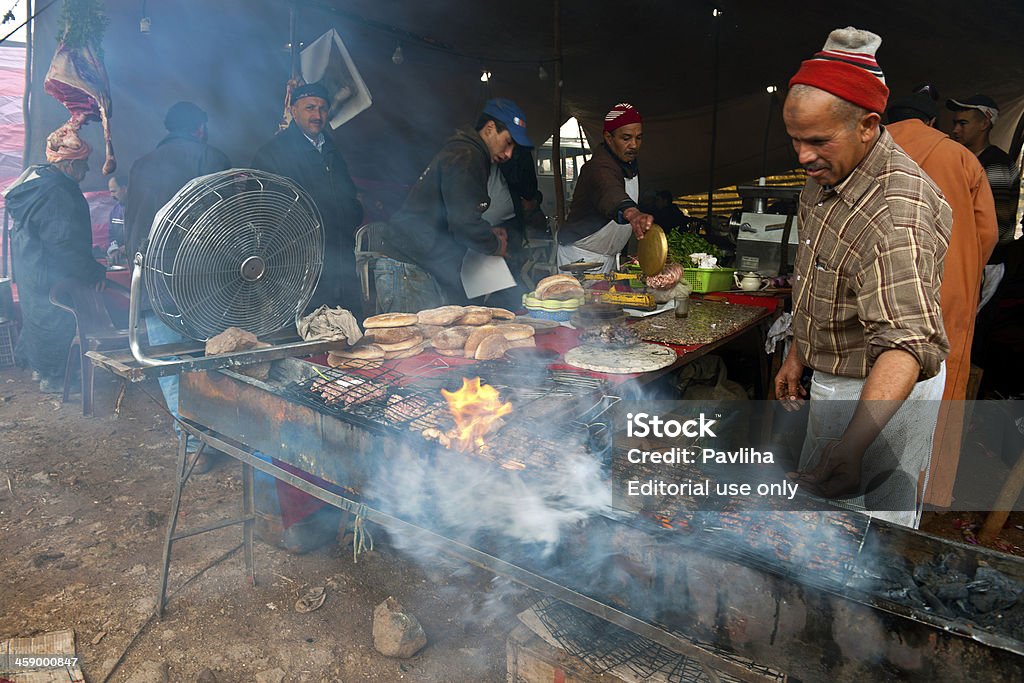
point(385, 400)
point(603, 646)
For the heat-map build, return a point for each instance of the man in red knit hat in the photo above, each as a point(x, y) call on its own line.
point(873, 235)
point(604, 211)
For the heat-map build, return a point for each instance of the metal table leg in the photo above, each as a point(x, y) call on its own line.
point(172, 522)
point(248, 514)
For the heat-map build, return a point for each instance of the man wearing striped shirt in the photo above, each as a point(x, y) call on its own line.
point(873, 235)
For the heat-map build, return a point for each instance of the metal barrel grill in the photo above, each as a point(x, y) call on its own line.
point(746, 584)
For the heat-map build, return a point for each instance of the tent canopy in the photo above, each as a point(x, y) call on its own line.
point(230, 57)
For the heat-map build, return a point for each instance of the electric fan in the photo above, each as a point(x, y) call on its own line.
point(239, 248)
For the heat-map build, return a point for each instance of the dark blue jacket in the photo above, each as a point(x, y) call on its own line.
point(324, 175)
point(52, 237)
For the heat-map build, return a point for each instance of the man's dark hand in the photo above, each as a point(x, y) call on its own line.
point(787, 383)
point(638, 220)
point(838, 472)
point(502, 236)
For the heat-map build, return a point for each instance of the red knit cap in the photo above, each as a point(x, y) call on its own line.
point(621, 114)
point(846, 67)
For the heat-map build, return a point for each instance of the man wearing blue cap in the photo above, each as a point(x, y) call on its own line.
point(456, 205)
point(305, 153)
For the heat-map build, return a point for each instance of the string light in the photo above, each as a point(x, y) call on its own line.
point(397, 57)
point(485, 76)
point(716, 12)
point(771, 89)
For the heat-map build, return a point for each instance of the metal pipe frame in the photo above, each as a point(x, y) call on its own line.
point(250, 462)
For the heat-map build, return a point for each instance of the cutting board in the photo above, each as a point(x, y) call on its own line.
point(636, 358)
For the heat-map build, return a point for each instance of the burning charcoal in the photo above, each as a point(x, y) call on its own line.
point(935, 604)
point(991, 591)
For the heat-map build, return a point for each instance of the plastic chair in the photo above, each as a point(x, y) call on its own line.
point(367, 250)
point(542, 261)
point(96, 330)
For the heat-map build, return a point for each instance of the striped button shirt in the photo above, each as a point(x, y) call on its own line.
point(1004, 179)
point(869, 265)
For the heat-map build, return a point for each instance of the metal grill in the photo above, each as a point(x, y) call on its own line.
point(385, 400)
point(603, 646)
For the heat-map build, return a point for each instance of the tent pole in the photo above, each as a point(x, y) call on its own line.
point(556, 137)
point(27, 96)
point(293, 37)
point(716, 14)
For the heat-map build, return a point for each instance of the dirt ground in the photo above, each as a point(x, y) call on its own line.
point(83, 507)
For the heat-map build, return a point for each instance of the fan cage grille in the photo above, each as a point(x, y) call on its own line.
point(215, 225)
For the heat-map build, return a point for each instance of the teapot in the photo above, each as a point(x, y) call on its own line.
point(751, 281)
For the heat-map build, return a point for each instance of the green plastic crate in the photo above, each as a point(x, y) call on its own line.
point(704, 280)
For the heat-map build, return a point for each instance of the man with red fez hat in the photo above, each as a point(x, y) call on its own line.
point(52, 241)
point(866, 319)
point(604, 211)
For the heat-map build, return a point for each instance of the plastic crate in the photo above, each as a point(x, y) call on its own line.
point(8, 336)
point(704, 280)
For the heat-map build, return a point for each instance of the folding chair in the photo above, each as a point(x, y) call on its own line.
point(368, 242)
point(96, 330)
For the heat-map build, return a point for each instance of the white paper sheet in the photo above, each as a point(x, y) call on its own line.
point(482, 274)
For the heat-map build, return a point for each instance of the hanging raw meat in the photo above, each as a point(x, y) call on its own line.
point(78, 80)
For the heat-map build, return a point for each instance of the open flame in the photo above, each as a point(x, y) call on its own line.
point(477, 409)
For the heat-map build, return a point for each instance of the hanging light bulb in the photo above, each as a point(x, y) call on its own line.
point(542, 73)
point(716, 12)
point(485, 76)
point(771, 89)
point(397, 57)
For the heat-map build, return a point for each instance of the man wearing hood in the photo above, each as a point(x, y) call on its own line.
point(52, 241)
point(604, 211)
point(447, 213)
point(306, 154)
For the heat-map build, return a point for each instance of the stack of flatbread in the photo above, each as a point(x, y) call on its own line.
point(477, 332)
point(559, 288)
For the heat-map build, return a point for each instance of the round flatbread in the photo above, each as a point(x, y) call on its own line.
point(477, 336)
point(502, 314)
point(527, 343)
point(491, 348)
point(407, 353)
point(390, 320)
point(475, 315)
point(514, 331)
point(362, 351)
point(443, 315)
point(452, 337)
point(391, 335)
point(451, 352)
point(428, 331)
point(403, 345)
point(560, 291)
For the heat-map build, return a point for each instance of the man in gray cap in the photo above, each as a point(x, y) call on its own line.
point(181, 156)
point(306, 153)
point(973, 118)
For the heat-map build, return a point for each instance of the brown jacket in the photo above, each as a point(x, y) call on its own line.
point(962, 180)
point(600, 196)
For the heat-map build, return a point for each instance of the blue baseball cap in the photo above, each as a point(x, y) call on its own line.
point(509, 113)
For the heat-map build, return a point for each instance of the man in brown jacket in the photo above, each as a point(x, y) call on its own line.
point(604, 211)
point(961, 177)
